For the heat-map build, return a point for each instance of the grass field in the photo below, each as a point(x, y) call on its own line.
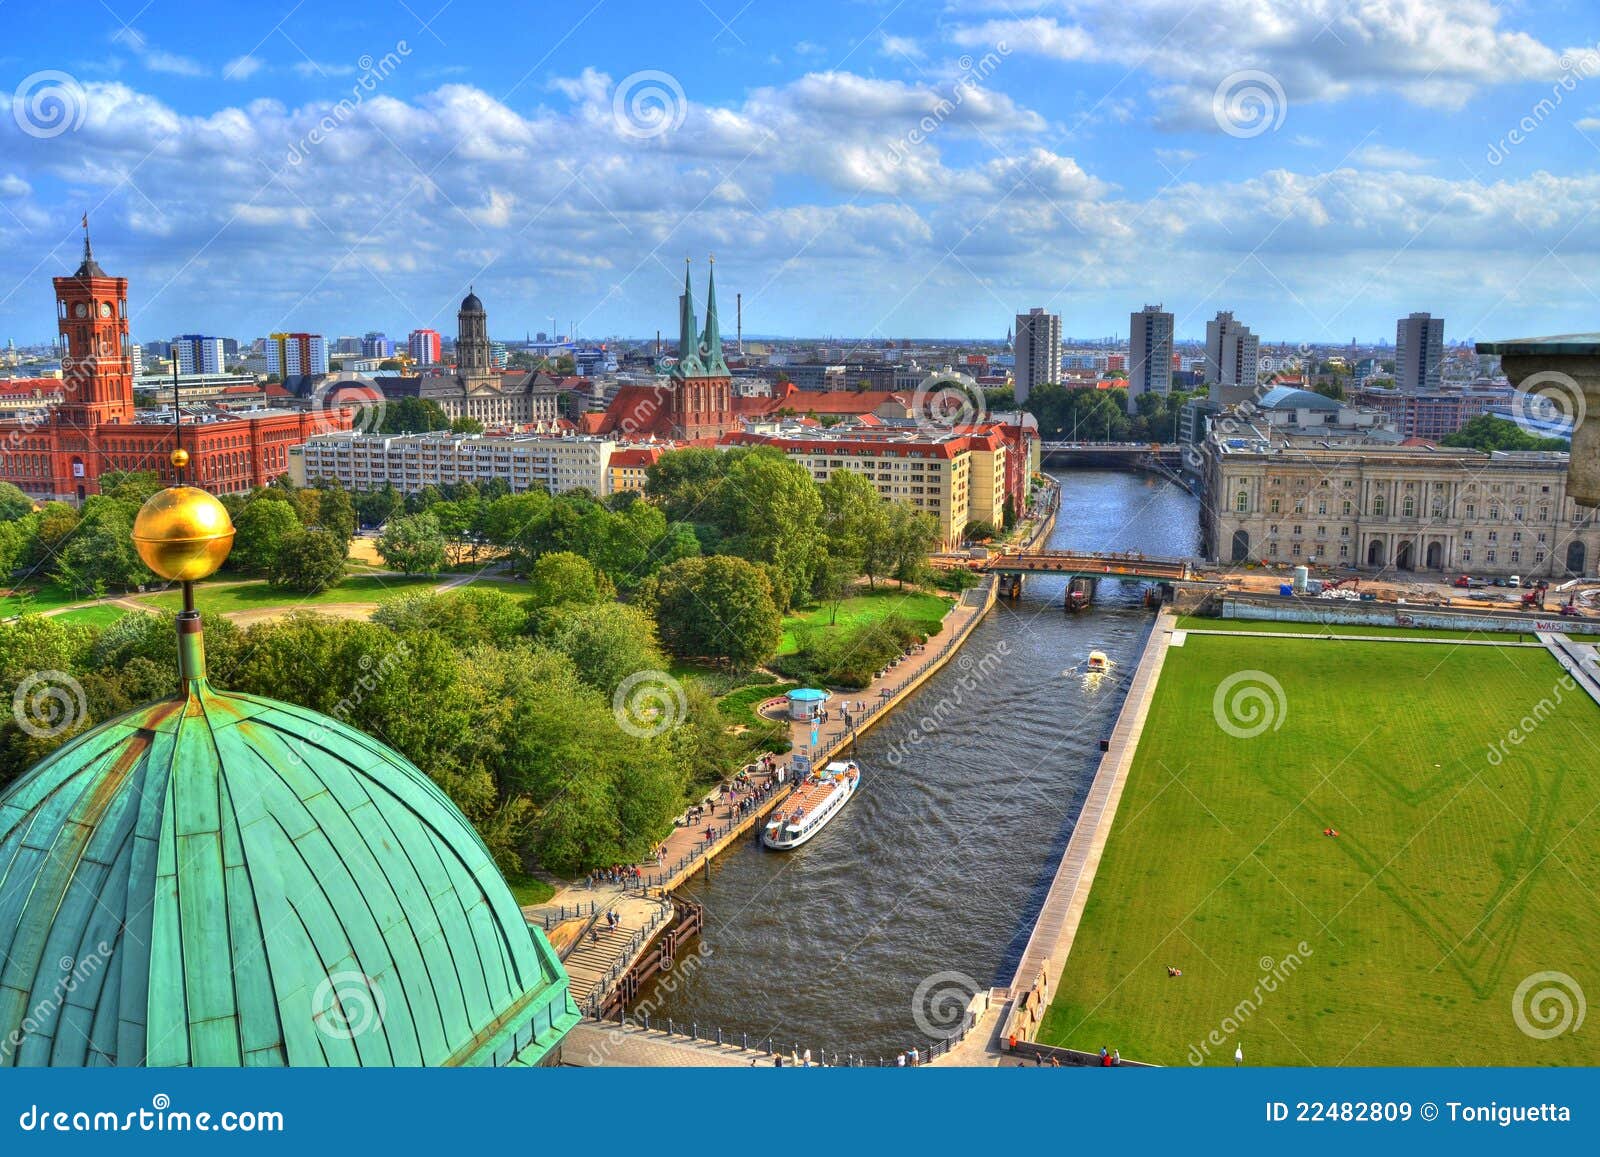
point(1200, 623)
point(43, 598)
point(925, 610)
point(1466, 864)
point(100, 615)
point(255, 596)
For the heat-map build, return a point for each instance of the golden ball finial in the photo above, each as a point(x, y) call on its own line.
point(180, 457)
point(182, 533)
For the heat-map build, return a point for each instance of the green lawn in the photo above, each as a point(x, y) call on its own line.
point(739, 706)
point(1457, 874)
point(213, 599)
point(100, 615)
point(1200, 623)
point(47, 597)
point(926, 610)
point(528, 890)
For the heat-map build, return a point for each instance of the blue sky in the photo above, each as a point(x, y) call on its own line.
point(859, 167)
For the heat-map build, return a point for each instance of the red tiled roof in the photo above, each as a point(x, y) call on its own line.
point(637, 456)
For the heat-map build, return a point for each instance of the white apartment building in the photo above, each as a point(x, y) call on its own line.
point(1233, 353)
point(410, 462)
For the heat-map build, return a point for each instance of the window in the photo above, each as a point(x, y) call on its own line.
point(1466, 556)
point(1517, 512)
point(1322, 507)
point(1516, 536)
point(1344, 550)
point(1472, 511)
point(1516, 556)
point(1410, 507)
point(1344, 532)
point(1489, 557)
point(1494, 514)
point(1273, 506)
point(1377, 506)
point(1243, 504)
point(1297, 530)
point(1347, 508)
point(1494, 536)
point(1467, 535)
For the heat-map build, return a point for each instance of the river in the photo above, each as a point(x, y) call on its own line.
point(925, 887)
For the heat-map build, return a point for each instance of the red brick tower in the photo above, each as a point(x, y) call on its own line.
point(97, 374)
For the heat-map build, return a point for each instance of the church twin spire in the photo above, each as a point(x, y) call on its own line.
point(699, 355)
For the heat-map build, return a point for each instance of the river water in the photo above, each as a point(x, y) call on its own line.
point(925, 887)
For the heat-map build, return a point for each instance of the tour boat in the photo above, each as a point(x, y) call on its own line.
point(813, 804)
point(1098, 663)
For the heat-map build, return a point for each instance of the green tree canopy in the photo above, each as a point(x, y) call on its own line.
point(310, 562)
point(715, 607)
point(260, 529)
point(413, 544)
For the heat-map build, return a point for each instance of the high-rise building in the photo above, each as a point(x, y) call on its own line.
point(424, 346)
point(376, 345)
point(347, 345)
point(1149, 354)
point(1232, 353)
point(198, 354)
point(292, 355)
point(1038, 351)
point(1418, 353)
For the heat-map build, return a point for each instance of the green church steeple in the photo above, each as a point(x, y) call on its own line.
point(711, 340)
point(688, 360)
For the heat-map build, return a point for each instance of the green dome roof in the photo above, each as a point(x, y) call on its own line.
point(223, 880)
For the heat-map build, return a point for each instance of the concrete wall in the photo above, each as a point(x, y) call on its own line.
point(1314, 610)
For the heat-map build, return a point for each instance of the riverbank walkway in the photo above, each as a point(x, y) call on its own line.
point(1053, 932)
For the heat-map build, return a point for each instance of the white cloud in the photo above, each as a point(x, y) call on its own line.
point(157, 59)
point(242, 68)
point(323, 68)
point(809, 48)
point(1434, 53)
point(1588, 124)
point(1385, 157)
point(892, 45)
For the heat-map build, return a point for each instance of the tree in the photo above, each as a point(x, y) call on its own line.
point(684, 482)
point(716, 607)
point(1487, 432)
point(773, 514)
point(607, 642)
point(853, 516)
point(336, 513)
point(100, 552)
point(470, 617)
point(561, 577)
point(374, 507)
point(310, 562)
point(978, 530)
point(466, 425)
point(413, 544)
point(414, 416)
point(390, 365)
point(259, 533)
point(835, 575)
point(912, 536)
point(14, 504)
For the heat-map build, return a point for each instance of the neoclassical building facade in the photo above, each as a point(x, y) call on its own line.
point(1425, 509)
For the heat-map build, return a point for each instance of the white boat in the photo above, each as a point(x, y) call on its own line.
point(816, 801)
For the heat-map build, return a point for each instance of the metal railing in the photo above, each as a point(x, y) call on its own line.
point(771, 1045)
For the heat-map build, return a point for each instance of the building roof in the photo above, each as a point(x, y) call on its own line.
point(1289, 398)
point(237, 881)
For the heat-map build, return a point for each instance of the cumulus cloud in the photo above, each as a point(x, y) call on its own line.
point(1434, 53)
point(156, 59)
point(242, 68)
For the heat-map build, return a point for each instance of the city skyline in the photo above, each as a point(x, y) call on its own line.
point(865, 171)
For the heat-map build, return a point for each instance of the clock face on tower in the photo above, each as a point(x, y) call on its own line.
point(80, 310)
point(105, 309)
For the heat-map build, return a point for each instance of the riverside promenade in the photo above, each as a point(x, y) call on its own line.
point(731, 812)
point(1057, 925)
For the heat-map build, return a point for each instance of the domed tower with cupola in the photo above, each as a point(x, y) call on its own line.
point(220, 879)
point(474, 356)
